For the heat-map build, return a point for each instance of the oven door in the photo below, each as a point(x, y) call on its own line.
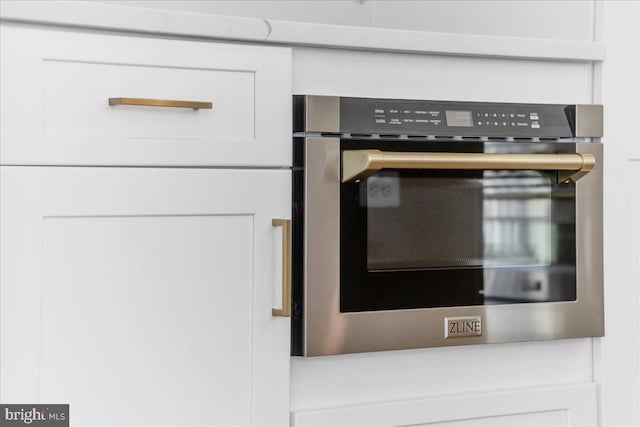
point(495, 235)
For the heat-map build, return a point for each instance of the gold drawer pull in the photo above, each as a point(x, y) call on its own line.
point(285, 311)
point(360, 164)
point(161, 103)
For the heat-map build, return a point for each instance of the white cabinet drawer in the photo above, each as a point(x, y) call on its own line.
point(56, 87)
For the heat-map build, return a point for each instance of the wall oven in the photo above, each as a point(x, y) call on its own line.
point(432, 223)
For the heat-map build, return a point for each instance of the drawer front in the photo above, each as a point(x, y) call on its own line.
point(57, 85)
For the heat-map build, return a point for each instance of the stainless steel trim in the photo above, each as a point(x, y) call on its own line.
point(323, 334)
point(589, 121)
point(328, 331)
point(589, 246)
point(322, 113)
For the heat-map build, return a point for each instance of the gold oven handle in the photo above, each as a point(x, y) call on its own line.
point(196, 105)
point(360, 164)
point(285, 311)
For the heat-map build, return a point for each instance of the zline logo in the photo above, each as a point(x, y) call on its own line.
point(455, 327)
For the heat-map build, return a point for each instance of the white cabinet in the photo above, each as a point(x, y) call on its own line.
point(143, 296)
point(57, 85)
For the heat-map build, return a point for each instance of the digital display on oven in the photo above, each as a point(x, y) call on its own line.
point(459, 118)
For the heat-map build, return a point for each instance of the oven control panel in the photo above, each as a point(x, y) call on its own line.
point(399, 117)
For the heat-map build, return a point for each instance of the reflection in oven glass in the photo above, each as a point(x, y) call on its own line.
point(516, 226)
point(516, 219)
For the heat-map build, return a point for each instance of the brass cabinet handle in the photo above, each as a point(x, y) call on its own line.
point(196, 105)
point(285, 311)
point(360, 164)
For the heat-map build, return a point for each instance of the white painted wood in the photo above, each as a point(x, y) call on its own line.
point(356, 379)
point(363, 38)
point(338, 12)
point(144, 296)
point(394, 75)
point(535, 19)
point(158, 21)
point(56, 86)
point(87, 14)
point(573, 405)
point(531, 419)
point(558, 20)
point(618, 353)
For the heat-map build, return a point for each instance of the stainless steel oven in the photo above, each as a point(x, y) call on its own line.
point(431, 223)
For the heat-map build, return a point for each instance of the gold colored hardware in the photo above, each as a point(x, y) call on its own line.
point(360, 164)
point(589, 162)
point(285, 311)
point(161, 103)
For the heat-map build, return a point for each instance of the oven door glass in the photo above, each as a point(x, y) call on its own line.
point(441, 238)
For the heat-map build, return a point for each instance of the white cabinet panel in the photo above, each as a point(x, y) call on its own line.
point(439, 77)
point(535, 419)
point(57, 85)
point(536, 19)
point(355, 379)
point(565, 406)
point(76, 94)
point(164, 299)
point(144, 296)
point(531, 19)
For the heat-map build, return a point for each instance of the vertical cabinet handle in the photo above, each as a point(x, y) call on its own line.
point(285, 311)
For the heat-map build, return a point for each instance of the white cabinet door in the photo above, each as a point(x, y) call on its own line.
point(143, 296)
point(57, 86)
